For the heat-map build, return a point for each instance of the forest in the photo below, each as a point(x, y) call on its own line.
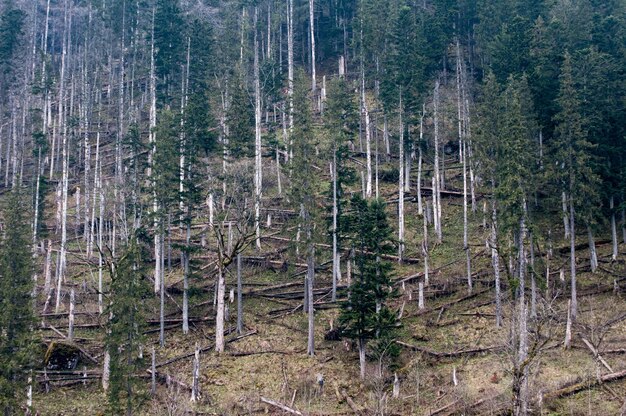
point(313, 207)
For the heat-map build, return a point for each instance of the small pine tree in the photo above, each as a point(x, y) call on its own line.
point(17, 339)
point(129, 289)
point(365, 316)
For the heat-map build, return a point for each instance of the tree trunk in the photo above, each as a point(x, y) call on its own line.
point(310, 284)
point(258, 166)
point(436, 173)
point(572, 239)
point(401, 189)
point(495, 262)
point(362, 357)
point(219, 317)
point(368, 144)
point(290, 72)
point(239, 297)
point(312, 35)
point(195, 386)
point(335, 214)
point(592, 250)
point(613, 229)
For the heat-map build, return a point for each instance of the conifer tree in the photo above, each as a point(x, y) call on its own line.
point(302, 188)
point(341, 118)
point(17, 339)
point(573, 171)
point(365, 316)
point(124, 341)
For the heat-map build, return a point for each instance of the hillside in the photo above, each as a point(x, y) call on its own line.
point(312, 208)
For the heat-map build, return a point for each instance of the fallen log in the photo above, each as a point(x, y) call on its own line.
point(447, 354)
point(204, 349)
point(584, 385)
point(281, 406)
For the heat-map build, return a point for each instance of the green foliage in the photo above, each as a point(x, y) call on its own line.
point(302, 186)
point(17, 338)
point(240, 118)
point(124, 341)
point(341, 121)
point(166, 162)
point(573, 170)
point(11, 23)
point(170, 48)
point(365, 315)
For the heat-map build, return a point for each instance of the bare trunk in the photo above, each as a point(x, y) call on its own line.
point(312, 35)
point(495, 262)
point(70, 331)
point(592, 250)
point(436, 172)
point(239, 297)
point(613, 229)
point(335, 214)
point(219, 318)
point(258, 178)
point(401, 178)
point(362, 357)
point(368, 144)
point(195, 386)
point(290, 72)
point(310, 284)
point(572, 230)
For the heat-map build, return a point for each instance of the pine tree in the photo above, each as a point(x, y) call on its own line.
point(365, 316)
point(303, 188)
point(573, 171)
point(341, 117)
point(124, 341)
point(17, 339)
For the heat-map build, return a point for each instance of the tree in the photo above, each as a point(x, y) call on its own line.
point(341, 117)
point(365, 316)
point(572, 171)
point(17, 338)
point(124, 341)
point(302, 189)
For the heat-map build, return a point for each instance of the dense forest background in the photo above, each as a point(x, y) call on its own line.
point(312, 207)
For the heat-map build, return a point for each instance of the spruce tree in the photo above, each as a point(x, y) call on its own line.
point(365, 316)
point(572, 171)
point(129, 290)
point(17, 339)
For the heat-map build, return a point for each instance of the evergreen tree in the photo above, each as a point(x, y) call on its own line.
point(365, 316)
point(124, 341)
point(17, 339)
point(240, 118)
point(170, 48)
point(573, 171)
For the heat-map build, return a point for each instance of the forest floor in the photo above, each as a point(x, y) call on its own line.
point(453, 340)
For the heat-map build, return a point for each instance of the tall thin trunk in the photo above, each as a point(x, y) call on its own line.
point(401, 178)
point(219, 318)
point(258, 167)
point(495, 262)
point(151, 154)
point(572, 239)
point(310, 284)
point(613, 229)
point(335, 215)
point(312, 35)
point(368, 144)
point(593, 254)
point(420, 207)
point(290, 72)
point(239, 297)
point(425, 249)
point(466, 247)
point(436, 172)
